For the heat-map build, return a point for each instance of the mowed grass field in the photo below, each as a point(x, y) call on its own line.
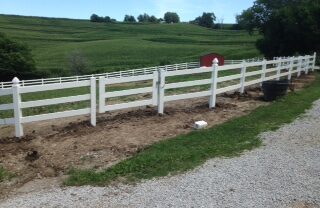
point(114, 47)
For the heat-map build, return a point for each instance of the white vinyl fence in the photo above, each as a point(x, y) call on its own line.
point(119, 74)
point(221, 79)
point(228, 62)
point(103, 95)
point(18, 105)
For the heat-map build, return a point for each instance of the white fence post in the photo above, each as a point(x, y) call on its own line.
point(102, 100)
point(314, 61)
point(155, 88)
point(307, 64)
point(302, 65)
point(214, 81)
point(243, 77)
point(93, 94)
point(161, 85)
point(290, 68)
point(303, 69)
point(279, 68)
point(299, 66)
point(264, 68)
point(17, 107)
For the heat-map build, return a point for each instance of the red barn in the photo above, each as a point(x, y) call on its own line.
point(206, 60)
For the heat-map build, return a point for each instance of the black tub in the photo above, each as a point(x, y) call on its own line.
point(273, 89)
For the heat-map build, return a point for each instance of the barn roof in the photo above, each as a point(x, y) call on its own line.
point(208, 54)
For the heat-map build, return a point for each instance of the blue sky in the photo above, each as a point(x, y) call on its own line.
point(82, 9)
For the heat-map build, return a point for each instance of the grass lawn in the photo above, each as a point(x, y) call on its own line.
point(114, 47)
point(186, 152)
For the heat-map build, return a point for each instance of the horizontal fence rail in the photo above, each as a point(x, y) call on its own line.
point(128, 73)
point(109, 75)
point(103, 95)
point(155, 86)
point(17, 90)
point(228, 62)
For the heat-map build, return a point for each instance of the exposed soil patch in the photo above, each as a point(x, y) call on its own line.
point(51, 148)
point(303, 205)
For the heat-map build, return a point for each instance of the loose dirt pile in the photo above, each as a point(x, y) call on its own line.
point(51, 148)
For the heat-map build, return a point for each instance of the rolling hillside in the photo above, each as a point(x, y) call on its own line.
point(111, 47)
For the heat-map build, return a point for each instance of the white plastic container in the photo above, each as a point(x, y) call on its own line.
point(200, 125)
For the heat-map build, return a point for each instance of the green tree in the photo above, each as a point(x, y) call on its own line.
point(287, 26)
point(144, 18)
point(153, 19)
point(129, 18)
point(96, 18)
point(206, 20)
point(171, 17)
point(16, 60)
point(107, 19)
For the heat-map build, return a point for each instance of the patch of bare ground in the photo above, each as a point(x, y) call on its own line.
point(303, 205)
point(51, 148)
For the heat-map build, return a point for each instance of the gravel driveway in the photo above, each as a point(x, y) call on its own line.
point(285, 172)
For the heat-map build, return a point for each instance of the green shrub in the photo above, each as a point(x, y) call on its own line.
point(15, 60)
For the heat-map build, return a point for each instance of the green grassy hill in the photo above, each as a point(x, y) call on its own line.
point(112, 47)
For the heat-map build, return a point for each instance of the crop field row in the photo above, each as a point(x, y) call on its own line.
point(115, 47)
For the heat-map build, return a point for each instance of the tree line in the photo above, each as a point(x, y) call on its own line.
point(207, 19)
point(96, 18)
point(169, 17)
